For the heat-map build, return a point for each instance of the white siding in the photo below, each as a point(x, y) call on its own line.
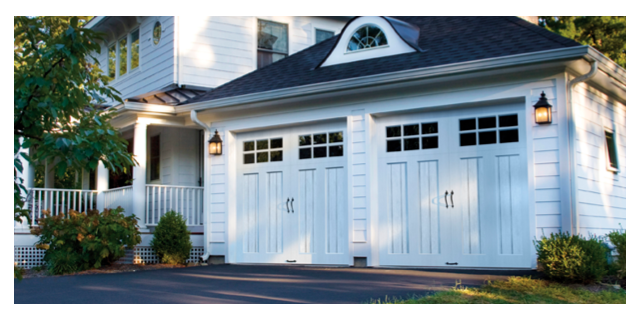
point(179, 155)
point(214, 50)
point(358, 151)
point(217, 203)
point(601, 194)
point(546, 162)
point(156, 70)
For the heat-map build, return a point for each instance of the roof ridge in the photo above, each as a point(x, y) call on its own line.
point(540, 30)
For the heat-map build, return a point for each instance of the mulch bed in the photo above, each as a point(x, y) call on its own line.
point(114, 268)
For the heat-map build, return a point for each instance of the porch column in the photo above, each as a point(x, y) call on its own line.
point(140, 172)
point(86, 179)
point(102, 185)
point(49, 174)
point(28, 176)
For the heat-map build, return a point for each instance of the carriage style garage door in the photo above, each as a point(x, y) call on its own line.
point(453, 189)
point(292, 195)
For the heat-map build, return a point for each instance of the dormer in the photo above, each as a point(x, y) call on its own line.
point(373, 37)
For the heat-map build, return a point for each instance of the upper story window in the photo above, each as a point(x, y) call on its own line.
point(367, 37)
point(612, 155)
point(157, 32)
point(124, 55)
point(322, 35)
point(273, 42)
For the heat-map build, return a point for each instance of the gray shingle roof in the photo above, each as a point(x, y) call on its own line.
point(444, 40)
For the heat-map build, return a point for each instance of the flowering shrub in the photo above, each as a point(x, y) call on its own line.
point(79, 241)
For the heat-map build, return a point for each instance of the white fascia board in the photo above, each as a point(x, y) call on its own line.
point(386, 78)
point(147, 107)
point(94, 22)
point(608, 66)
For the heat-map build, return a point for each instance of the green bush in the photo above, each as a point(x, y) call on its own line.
point(619, 241)
point(569, 258)
point(171, 240)
point(17, 272)
point(79, 241)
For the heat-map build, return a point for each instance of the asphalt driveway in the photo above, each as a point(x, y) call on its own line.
point(242, 284)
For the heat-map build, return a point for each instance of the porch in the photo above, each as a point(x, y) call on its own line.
point(169, 177)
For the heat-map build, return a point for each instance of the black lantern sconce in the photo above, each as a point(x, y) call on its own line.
point(215, 145)
point(543, 110)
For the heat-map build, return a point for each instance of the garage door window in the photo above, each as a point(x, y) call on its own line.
point(260, 151)
point(412, 137)
point(321, 145)
point(488, 130)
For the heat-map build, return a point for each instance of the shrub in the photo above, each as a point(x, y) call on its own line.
point(569, 258)
point(171, 240)
point(79, 241)
point(619, 241)
point(17, 272)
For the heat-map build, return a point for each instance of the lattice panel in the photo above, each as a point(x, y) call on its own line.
point(29, 257)
point(146, 255)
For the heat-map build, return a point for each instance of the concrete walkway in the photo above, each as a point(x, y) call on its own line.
point(242, 284)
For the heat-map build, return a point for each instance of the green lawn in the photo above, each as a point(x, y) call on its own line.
point(518, 290)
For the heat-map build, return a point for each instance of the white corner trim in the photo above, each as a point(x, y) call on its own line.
point(395, 44)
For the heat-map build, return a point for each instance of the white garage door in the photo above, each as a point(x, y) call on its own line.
point(292, 203)
point(453, 189)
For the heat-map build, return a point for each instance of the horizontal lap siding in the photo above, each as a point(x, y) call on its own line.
point(215, 50)
point(601, 194)
point(546, 162)
point(359, 176)
point(217, 196)
point(156, 70)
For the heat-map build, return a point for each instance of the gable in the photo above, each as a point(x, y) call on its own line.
point(394, 43)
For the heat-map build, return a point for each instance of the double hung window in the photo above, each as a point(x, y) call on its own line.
point(273, 42)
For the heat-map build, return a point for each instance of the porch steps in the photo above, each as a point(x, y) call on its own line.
point(128, 257)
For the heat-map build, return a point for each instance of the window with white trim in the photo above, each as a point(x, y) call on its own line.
point(488, 130)
point(320, 145)
point(124, 55)
point(367, 37)
point(263, 150)
point(322, 35)
point(611, 150)
point(413, 136)
point(273, 42)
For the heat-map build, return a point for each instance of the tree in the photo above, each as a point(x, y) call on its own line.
point(58, 86)
point(606, 34)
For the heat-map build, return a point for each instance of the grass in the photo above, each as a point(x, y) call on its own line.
point(518, 290)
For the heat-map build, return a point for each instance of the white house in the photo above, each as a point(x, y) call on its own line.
point(409, 141)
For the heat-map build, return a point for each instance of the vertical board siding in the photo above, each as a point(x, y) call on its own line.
point(250, 203)
point(397, 208)
point(359, 177)
point(335, 213)
point(508, 169)
point(429, 211)
point(156, 69)
point(274, 214)
point(215, 50)
point(546, 167)
point(306, 216)
point(470, 206)
point(601, 194)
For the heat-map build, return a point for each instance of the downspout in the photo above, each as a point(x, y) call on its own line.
point(572, 148)
point(205, 207)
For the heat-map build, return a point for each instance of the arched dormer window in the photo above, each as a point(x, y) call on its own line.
point(367, 37)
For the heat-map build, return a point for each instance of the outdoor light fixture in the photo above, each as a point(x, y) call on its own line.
point(543, 110)
point(215, 145)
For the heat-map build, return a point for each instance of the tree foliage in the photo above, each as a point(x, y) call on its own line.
point(58, 85)
point(606, 34)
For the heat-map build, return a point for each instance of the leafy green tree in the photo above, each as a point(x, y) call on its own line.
point(606, 34)
point(58, 85)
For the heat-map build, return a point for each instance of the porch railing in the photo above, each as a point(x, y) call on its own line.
point(182, 199)
point(59, 201)
point(119, 197)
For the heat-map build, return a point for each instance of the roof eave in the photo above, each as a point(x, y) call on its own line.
point(571, 53)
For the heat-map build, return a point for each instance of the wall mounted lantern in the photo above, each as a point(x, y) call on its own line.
point(215, 145)
point(543, 110)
